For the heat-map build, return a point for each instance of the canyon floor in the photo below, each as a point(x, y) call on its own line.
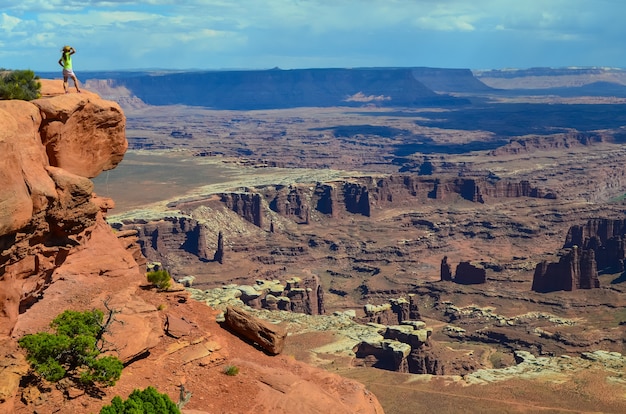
point(180, 154)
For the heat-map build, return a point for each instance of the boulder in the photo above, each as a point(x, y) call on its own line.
point(269, 337)
point(73, 123)
point(177, 327)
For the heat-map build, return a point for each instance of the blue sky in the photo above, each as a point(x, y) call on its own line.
point(261, 34)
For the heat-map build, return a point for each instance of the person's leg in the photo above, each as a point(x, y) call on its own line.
point(65, 83)
point(75, 82)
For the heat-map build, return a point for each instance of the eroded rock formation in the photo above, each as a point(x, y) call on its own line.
point(393, 312)
point(599, 244)
point(446, 269)
point(466, 273)
point(409, 348)
point(606, 237)
point(576, 269)
point(470, 274)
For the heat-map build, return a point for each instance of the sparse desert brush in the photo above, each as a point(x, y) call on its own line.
point(161, 279)
point(231, 370)
point(497, 360)
point(161, 306)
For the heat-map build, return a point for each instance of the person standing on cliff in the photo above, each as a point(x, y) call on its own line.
point(66, 64)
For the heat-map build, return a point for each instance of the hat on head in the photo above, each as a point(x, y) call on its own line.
point(66, 49)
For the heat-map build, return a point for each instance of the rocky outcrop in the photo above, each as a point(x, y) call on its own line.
point(47, 210)
point(356, 199)
point(297, 294)
point(470, 274)
point(72, 123)
point(394, 312)
point(576, 269)
point(290, 202)
point(408, 348)
point(599, 244)
point(466, 273)
point(268, 336)
point(528, 145)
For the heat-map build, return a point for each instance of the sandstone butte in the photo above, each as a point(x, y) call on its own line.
point(57, 252)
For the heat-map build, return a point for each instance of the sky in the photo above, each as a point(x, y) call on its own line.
point(291, 34)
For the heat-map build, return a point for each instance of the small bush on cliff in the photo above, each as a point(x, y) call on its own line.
point(19, 84)
point(160, 278)
point(231, 370)
point(73, 350)
point(139, 402)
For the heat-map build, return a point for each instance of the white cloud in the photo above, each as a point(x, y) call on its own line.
point(8, 23)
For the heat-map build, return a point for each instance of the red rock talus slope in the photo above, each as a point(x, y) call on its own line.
point(57, 252)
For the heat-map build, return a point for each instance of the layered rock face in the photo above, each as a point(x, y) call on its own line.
point(364, 194)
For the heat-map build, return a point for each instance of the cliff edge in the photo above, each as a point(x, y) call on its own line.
point(57, 252)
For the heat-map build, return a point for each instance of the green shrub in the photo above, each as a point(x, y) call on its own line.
point(19, 84)
point(73, 350)
point(160, 278)
point(148, 401)
point(231, 370)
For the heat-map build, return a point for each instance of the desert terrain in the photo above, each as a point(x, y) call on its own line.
point(192, 173)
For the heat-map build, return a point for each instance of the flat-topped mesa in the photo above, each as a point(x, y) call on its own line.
point(532, 144)
point(276, 88)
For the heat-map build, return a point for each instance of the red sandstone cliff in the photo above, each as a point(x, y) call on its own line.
point(57, 253)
